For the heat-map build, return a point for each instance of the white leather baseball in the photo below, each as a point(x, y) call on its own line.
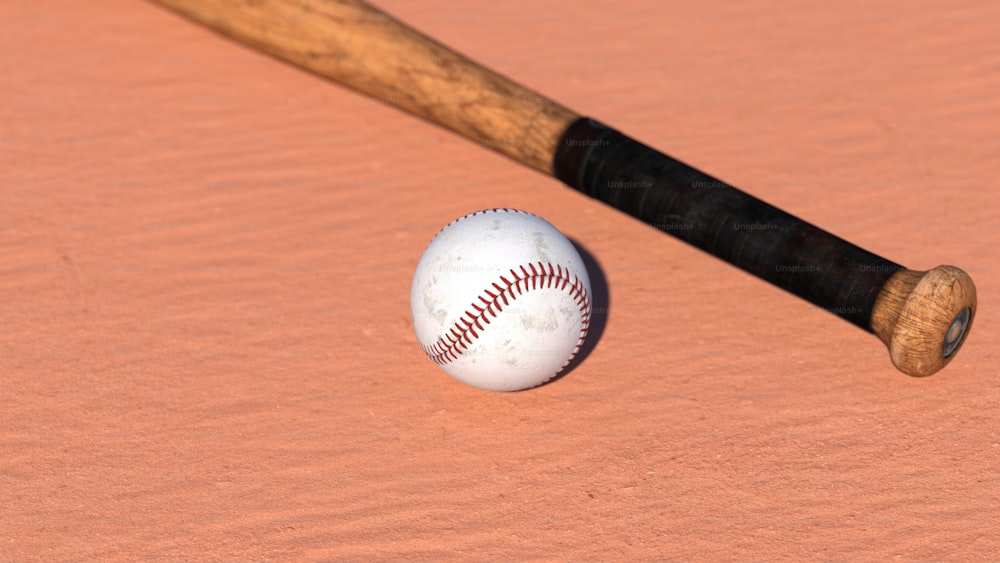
point(501, 300)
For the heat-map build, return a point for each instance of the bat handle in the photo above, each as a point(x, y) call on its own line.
point(923, 317)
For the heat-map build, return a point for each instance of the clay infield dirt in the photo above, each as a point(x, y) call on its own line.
point(206, 350)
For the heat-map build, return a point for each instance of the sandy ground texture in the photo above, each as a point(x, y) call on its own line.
point(205, 256)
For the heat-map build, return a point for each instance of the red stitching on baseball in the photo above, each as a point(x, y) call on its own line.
point(448, 348)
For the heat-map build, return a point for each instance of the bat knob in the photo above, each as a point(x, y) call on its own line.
point(923, 317)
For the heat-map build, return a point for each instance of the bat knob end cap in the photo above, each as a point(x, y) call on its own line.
point(924, 317)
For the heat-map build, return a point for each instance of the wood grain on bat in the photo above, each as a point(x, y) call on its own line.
point(366, 49)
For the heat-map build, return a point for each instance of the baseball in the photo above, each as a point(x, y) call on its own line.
point(501, 300)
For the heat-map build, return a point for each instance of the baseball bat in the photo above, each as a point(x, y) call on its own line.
point(922, 317)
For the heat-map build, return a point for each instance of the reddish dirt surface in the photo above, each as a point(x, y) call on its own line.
point(205, 259)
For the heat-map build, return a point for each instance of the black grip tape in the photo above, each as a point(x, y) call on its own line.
point(722, 220)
